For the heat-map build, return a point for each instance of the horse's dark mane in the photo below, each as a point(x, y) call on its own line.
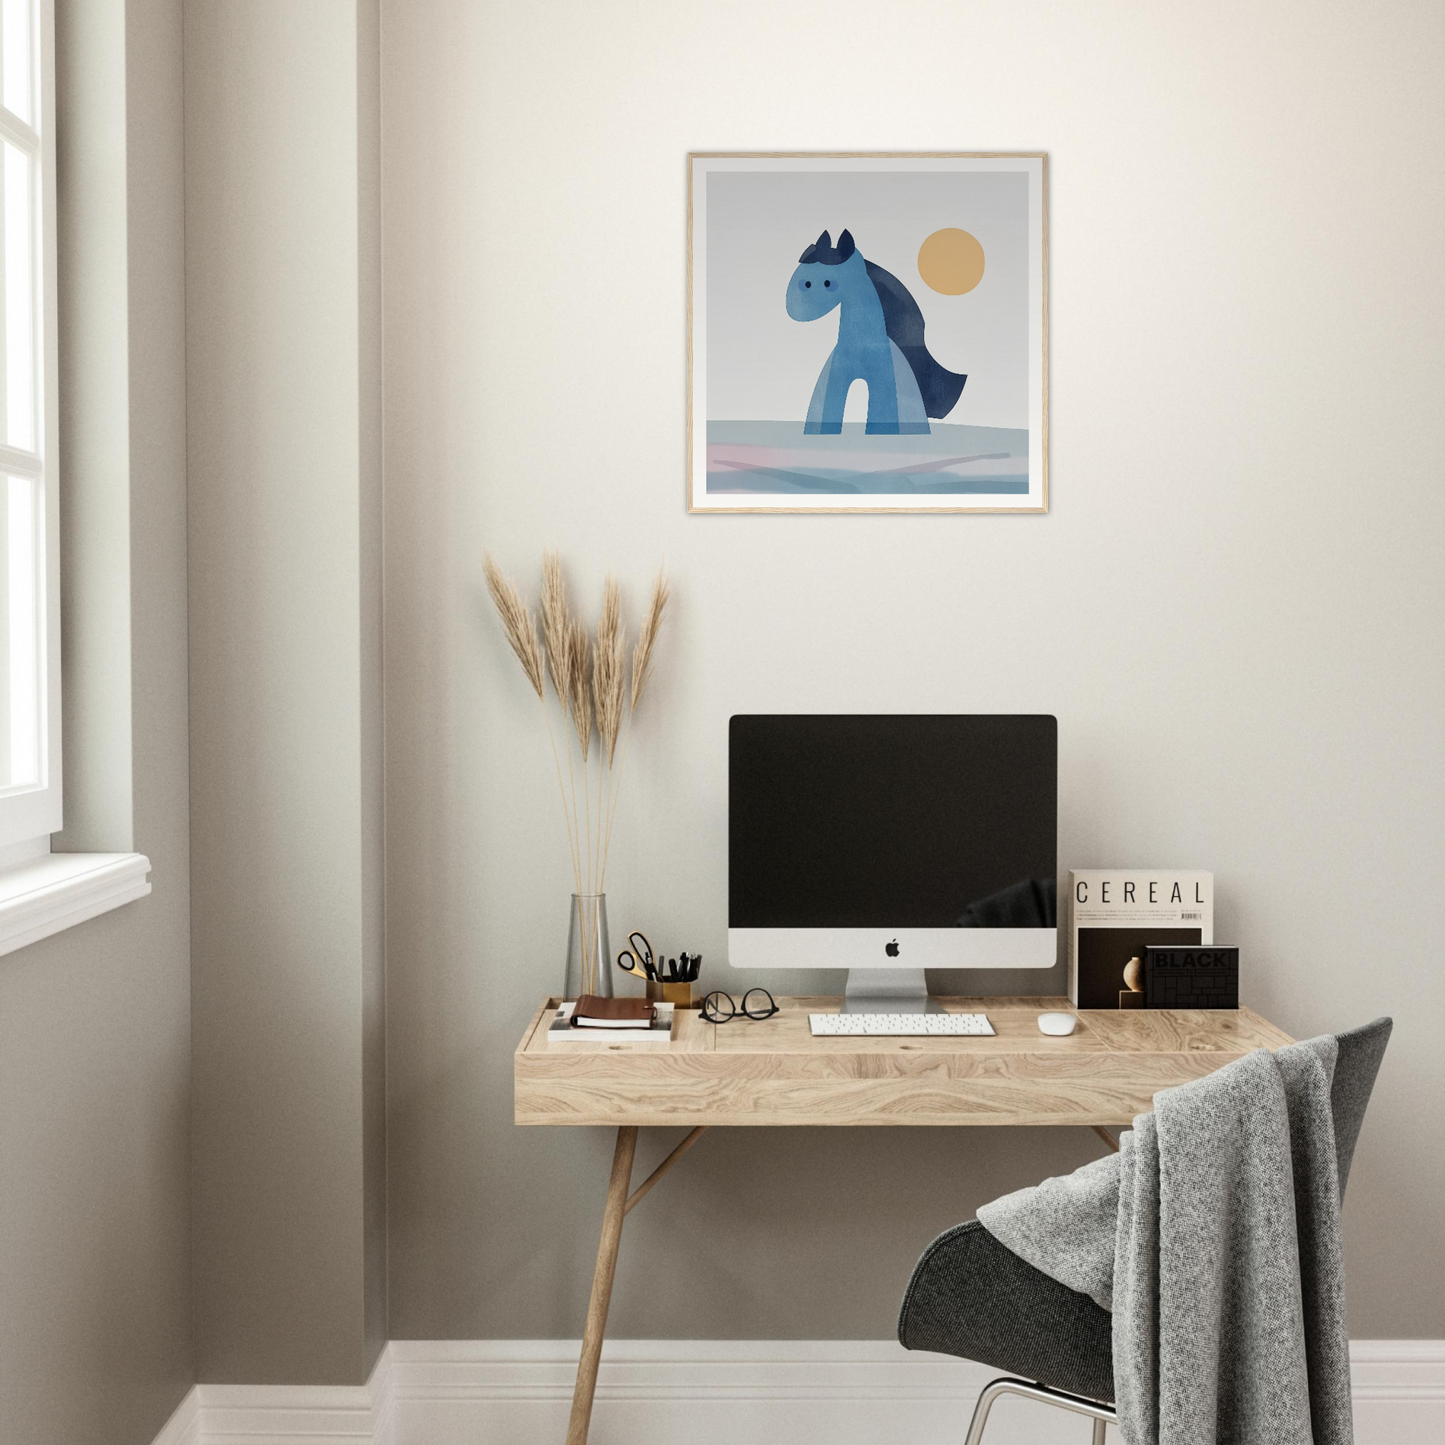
point(903, 321)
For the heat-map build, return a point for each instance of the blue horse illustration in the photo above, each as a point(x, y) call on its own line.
point(880, 341)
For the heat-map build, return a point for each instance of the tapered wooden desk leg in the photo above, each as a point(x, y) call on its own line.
point(612, 1217)
point(1106, 1136)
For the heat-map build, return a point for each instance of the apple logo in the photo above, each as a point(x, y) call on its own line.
point(891, 949)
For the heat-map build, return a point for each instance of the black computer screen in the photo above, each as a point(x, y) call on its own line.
point(918, 821)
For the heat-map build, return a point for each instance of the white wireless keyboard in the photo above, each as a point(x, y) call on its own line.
point(899, 1025)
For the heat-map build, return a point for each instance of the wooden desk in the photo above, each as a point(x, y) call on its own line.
point(770, 1072)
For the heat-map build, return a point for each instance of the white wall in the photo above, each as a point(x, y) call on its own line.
point(1234, 606)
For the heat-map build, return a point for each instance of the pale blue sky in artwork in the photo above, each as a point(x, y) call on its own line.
point(761, 365)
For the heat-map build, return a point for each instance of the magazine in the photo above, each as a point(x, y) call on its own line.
point(1115, 912)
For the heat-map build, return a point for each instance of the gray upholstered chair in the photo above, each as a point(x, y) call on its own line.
point(972, 1297)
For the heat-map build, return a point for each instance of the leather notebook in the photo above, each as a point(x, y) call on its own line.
point(593, 1012)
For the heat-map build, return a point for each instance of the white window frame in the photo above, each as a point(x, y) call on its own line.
point(29, 815)
point(42, 892)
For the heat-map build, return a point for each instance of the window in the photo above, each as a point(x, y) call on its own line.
point(41, 892)
point(30, 796)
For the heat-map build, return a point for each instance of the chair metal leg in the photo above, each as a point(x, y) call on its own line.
point(1099, 1413)
point(980, 1411)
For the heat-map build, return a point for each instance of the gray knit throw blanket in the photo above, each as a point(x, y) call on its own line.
point(1214, 1237)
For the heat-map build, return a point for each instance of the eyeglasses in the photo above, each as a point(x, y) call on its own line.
point(719, 1008)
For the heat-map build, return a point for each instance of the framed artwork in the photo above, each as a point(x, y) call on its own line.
point(867, 333)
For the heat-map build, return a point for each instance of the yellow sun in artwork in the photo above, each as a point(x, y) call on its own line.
point(951, 262)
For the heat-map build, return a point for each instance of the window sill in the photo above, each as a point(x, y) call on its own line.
point(59, 890)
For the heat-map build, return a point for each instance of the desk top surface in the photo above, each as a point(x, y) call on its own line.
point(773, 1071)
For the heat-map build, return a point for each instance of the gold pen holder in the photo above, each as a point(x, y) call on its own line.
point(679, 994)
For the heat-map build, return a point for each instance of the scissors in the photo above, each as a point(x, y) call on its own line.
point(638, 958)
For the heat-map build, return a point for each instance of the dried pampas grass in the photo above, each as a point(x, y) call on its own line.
point(516, 622)
point(647, 636)
point(609, 674)
point(589, 681)
point(579, 685)
point(555, 634)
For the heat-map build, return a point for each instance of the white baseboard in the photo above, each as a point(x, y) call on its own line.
point(288, 1414)
point(712, 1392)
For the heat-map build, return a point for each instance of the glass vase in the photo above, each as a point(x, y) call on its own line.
point(589, 952)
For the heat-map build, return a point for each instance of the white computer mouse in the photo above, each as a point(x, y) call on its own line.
point(1057, 1023)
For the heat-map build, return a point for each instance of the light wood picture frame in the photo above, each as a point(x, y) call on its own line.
point(921, 275)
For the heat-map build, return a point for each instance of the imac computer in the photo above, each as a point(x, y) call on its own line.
point(890, 844)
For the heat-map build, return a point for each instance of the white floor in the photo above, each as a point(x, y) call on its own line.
point(715, 1392)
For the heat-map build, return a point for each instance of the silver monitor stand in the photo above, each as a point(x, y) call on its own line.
point(887, 991)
